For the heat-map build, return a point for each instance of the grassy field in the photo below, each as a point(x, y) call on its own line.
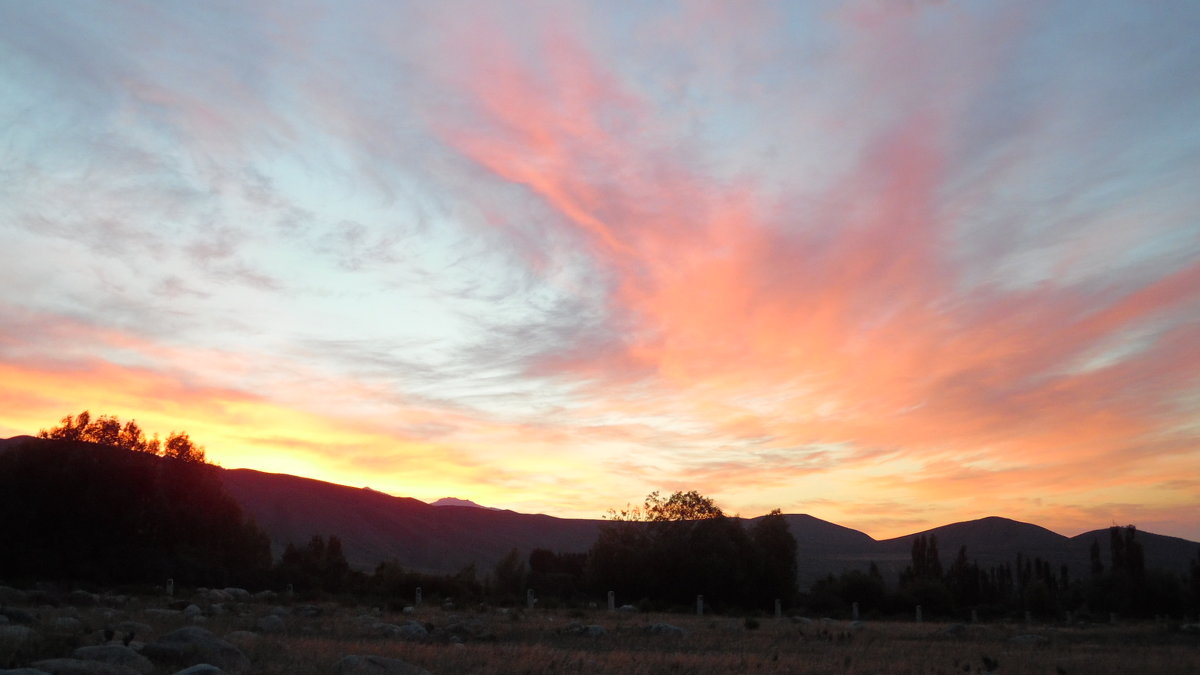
point(488, 640)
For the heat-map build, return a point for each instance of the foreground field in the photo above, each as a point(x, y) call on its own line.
point(277, 636)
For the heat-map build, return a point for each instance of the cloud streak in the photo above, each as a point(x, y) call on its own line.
point(838, 257)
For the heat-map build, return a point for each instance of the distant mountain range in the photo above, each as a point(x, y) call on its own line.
point(451, 534)
point(445, 538)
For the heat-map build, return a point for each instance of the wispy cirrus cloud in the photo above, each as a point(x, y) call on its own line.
point(939, 254)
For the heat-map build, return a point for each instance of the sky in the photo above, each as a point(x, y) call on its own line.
point(892, 264)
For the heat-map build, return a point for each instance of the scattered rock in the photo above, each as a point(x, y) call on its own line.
point(242, 639)
point(665, 629)
point(309, 611)
point(217, 595)
point(135, 627)
point(458, 629)
point(278, 611)
point(81, 667)
point(15, 615)
point(411, 630)
point(201, 669)
point(65, 625)
point(192, 611)
point(802, 620)
point(15, 636)
point(192, 645)
point(10, 595)
point(627, 608)
point(82, 598)
point(117, 655)
point(592, 631)
point(237, 593)
point(376, 665)
point(163, 613)
point(270, 624)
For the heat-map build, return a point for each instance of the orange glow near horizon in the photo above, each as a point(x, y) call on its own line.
point(848, 263)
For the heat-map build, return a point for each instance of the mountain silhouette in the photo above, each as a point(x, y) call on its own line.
point(443, 539)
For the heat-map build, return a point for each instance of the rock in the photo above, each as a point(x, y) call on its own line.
point(216, 595)
point(278, 611)
point(15, 615)
point(665, 629)
point(802, 620)
point(270, 624)
point(3, 620)
point(192, 645)
point(409, 609)
point(10, 595)
point(12, 637)
point(627, 608)
point(411, 630)
point(201, 669)
point(65, 625)
point(135, 627)
point(592, 631)
point(238, 593)
point(309, 611)
point(1028, 639)
point(163, 613)
point(1190, 628)
point(23, 671)
point(376, 665)
point(192, 611)
point(459, 630)
point(265, 595)
point(117, 655)
point(81, 667)
point(242, 639)
point(82, 598)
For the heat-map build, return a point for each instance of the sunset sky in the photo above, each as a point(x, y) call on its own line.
point(893, 264)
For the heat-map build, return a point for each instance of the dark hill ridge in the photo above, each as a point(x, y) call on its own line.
point(375, 527)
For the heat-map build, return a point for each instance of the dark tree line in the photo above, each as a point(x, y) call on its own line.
point(1040, 587)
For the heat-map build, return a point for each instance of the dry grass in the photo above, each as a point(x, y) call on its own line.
point(540, 642)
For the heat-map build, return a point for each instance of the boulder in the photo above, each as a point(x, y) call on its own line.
point(201, 669)
point(192, 645)
point(15, 615)
point(237, 593)
point(12, 637)
point(82, 598)
point(10, 595)
point(65, 625)
point(192, 611)
point(665, 629)
point(81, 667)
point(592, 631)
point(376, 665)
point(270, 624)
point(118, 655)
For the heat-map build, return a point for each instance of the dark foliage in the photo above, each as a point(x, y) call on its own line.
point(1032, 585)
point(671, 550)
point(76, 510)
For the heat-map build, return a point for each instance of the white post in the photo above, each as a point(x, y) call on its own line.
point(699, 605)
point(854, 611)
point(1028, 617)
point(529, 599)
point(612, 601)
point(918, 614)
point(778, 608)
point(417, 597)
point(1112, 617)
point(974, 616)
point(170, 588)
